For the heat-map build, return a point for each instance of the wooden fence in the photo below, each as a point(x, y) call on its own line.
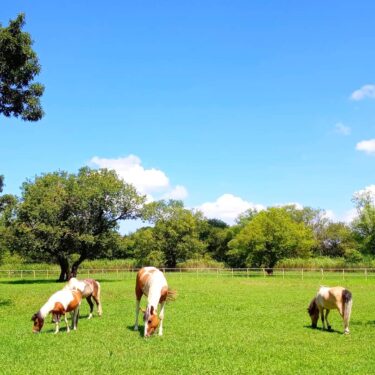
point(118, 273)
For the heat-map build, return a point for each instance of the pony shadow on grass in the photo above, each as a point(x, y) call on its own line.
point(5, 302)
point(359, 323)
point(141, 329)
point(33, 281)
point(324, 330)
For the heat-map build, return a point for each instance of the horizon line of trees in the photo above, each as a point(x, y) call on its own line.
point(66, 218)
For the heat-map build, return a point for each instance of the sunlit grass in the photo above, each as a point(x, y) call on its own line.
point(234, 325)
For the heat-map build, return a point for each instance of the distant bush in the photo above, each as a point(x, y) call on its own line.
point(203, 262)
point(15, 262)
point(352, 259)
point(318, 262)
point(109, 263)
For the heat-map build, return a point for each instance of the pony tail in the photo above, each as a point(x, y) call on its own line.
point(99, 301)
point(98, 294)
point(348, 302)
point(171, 295)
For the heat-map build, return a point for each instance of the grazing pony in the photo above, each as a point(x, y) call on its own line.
point(152, 283)
point(331, 298)
point(59, 304)
point(89, 288)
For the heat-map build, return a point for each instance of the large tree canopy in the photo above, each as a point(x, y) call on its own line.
point(270, 236)
point(19, 65)
point(175, 236)
point(62, 216)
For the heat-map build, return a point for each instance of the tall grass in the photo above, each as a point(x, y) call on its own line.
point(324, 262)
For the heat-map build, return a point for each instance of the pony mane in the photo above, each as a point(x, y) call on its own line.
point(312, 307)
point(171, 295)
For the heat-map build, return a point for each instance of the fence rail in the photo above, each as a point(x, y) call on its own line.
point(119, 273)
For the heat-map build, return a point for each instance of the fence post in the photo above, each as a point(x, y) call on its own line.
point(21, 274)
point(322, 272)
point(302, 273)
point(283, 273)
point(343, 274)
point(247, 272)
point(34, 274)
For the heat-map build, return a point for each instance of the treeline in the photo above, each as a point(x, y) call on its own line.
point(67, 218)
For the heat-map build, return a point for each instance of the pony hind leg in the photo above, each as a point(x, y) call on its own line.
point(96, 297)
point(98, 304)
point(89, 301)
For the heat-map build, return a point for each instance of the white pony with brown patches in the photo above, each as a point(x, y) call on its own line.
point(89, 288)
point(152, 283)
point(59, 304)
point(328, 299)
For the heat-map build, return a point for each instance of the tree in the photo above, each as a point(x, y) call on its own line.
point(176, 231)
point(19, 65)
point(337, 240)
point(269, 237)
point(8, 204)
point(61, 216)
point(147, 249)
point(216, 234)
point(364, 224)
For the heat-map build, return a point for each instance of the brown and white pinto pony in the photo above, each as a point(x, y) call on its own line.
point(152, 283)
point(327, 299)
point(59, 304)
point(89, 288)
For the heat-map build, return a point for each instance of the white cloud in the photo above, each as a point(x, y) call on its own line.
point(227, 208)
point(179, 192)
point(350, 215)
point(147, 181)
point(367, 146)
point(330, 215)
point(366, 91)
point(367, 192)
point(342, 129)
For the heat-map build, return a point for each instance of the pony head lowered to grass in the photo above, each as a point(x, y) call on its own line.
point(59, 304)
point(152, 283)
point(327, 299)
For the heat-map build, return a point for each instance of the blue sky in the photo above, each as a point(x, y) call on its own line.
point(224, 104)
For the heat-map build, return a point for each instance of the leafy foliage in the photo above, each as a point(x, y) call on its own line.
point(63, 214)
point(270, 236)
point(19, 65)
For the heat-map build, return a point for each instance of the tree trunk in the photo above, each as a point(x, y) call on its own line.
point(75, 266)
point(64, 269)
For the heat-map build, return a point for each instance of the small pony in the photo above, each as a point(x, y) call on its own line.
point(89, 288)
point(331, 298)
point(59, 304)
point(152, 283)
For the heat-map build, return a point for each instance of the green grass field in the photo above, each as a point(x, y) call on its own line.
point(217, 325)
